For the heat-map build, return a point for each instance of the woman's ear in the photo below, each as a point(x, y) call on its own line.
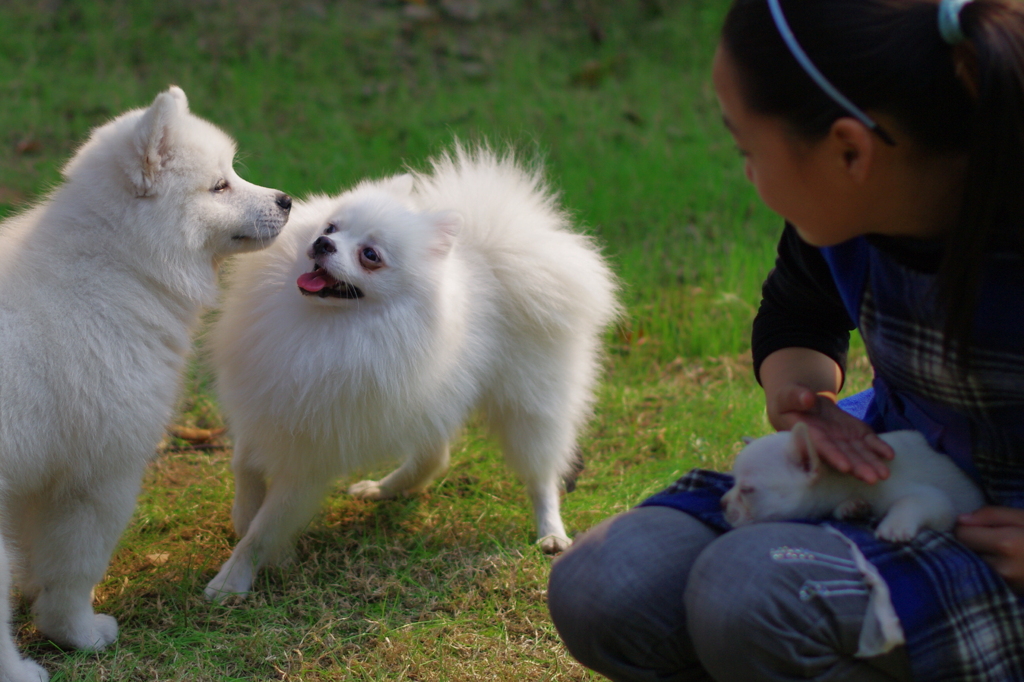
point(855, 147)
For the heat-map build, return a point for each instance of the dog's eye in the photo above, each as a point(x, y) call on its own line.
point(746, 490)
point(221, 185)
point(331, 228)
point(370, 259)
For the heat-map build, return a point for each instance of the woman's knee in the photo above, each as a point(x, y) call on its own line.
point(618, 591)
point(731, 596)
point(625, 561)
point(772, 600)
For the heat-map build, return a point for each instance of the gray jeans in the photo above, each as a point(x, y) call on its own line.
point(654, 594)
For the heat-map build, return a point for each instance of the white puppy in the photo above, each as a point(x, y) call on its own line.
point(380, 319)
point(100, 286)
point(780, 477)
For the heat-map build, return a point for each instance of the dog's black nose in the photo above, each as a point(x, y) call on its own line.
point(284, 201)
point(323, 245)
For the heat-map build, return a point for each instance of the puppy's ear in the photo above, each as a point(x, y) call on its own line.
point(447, 225)
point(803, 451)
point(153, 137)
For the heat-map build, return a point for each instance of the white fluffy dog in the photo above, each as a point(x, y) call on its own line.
point(380, 319)
point(100, 286)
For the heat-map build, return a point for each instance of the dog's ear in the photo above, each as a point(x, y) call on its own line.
point(399, 185)
point(804, 453)
point(153, 137)
point(447, 225)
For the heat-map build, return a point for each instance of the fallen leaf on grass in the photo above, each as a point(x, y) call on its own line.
point(594, 71)
point(29, 145)
point(11, 196)
point(591, 75)
point(158, 559)
point(194, 435)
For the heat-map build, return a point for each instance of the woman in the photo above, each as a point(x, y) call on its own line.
point(890, 136)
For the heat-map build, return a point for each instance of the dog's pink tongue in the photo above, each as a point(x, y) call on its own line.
point(311, 282)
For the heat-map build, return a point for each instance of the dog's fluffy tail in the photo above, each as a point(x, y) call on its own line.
point(577, 467)
point(551, 275)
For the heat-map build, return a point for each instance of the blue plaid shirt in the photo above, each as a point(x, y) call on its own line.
point(961, 621)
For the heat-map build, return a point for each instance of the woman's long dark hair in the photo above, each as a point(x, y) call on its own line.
point(888, 56)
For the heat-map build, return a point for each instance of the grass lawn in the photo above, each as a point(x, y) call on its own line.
point(614, 96)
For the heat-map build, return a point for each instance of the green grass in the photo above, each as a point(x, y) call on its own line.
point(446, 585)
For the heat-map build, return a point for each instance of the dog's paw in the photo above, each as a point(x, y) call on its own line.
point(220, 595)
point(105, 631)
point(553, 544)
point(233, 581)
point(94, 632)
point(368, 490)
point(22, 670)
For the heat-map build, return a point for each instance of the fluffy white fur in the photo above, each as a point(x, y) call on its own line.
point(482, 297)
point(781, 477)
point(100, 286)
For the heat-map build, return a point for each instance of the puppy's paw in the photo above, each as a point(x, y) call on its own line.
point(854, 508)
point(22, 670)
point(553, 544)
point(369, 490)
point(895, 529)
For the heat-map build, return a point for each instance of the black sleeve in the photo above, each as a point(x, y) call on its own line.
point(800, 306)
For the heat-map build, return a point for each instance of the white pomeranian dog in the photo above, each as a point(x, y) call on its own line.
point(380, 319)
point(781, 477)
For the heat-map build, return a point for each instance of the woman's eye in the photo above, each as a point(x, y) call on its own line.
point(221, 185)
point(369, 258)
point(331, 228)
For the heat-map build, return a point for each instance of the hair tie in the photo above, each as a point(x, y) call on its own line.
point(949, 21)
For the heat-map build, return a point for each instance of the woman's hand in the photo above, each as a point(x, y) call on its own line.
point(842, 440)
point(800, 385)
point(997, 535)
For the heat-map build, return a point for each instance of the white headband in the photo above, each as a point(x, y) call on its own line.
point(949, 21)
